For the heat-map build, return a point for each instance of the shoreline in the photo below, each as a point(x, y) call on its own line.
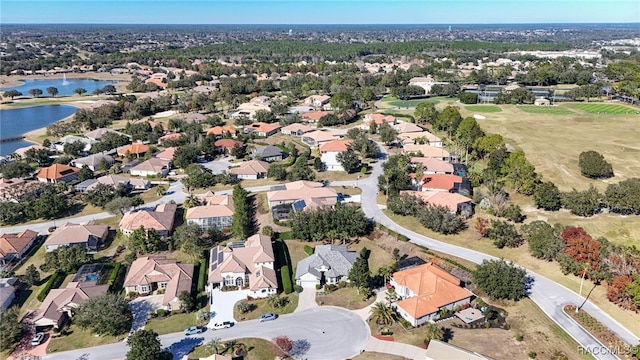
point(9, 81)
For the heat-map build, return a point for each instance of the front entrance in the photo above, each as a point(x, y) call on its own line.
point(239, 282)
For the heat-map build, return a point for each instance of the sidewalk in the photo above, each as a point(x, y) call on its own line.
point(395, 348)
point(365, 312)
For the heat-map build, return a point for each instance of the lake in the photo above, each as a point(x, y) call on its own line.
point(64, 87)
point(15, 122)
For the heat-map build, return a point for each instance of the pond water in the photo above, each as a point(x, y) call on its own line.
point(15, 122)
point(65, 87)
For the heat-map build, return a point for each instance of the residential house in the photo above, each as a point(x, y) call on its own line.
point(541, 102)
point(172, 136)
point(317, 101)
point(250, 170)
point(329, 264)
point(159, 79)
point(21, 152)
point(151, 167)
point(98, 134)
point(456, 203)
point(15, 246)
point(329, 153)
point(249, 264)
point(226, 145)
point(152, 273)
point(111, 180)
point(377, 119)
point(444, 182)
point(15, 190)
point(161, 220)
point(427, 151)
point(269, 153)
point(407, 127)
point(264, 100)
point(425, 290)
point(8, 291)
point(194, 117)
point(88, 235)
point(425, 82)
point(221, 131)
point(166, 154)
point(70, 139)
point(296, 129)
point(298, 196)
point(319, 137)
point(135, 149)
point(424, 137)
point(433, 165)
point(140, 184)
point(262, 129)
point(57, 173)
point(249, 110)
point(314, 116)
point(438, 350)
point(93, 161)
point(217, 211)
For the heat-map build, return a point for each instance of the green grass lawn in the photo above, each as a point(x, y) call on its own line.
point(412, 103)
point(78, 339)
point(609, 109)
point(484, 108)
point(346, 297)
point(261, 307)
point(257, 349)
point(171, 324)
point(551, 110)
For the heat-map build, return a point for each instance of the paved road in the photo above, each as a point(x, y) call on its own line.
point(320, 333)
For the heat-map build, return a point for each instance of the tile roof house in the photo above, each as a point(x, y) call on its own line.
point(296, 129)
point(15, 246)
point(456, 203)
point(151, 167)
point(314, 116)
point(262, 129)
point(112, 180)
point(217, 212)
point(426, 289)
point(424, 137)
point(433, 165)
point(298, 196)
point(226, 145)
point(245, 265)
point(377, 119)
point(99, 133)
point(407, 127)
point(442, 182)
point(151, 273)
point(317, 100)
point(269, 153)
point(319, 137)
point(329, 152)
point(8, 291)
point(220, 131)
point(92, 161)
point(172, 136)
point(88, 235)
point(57, 173)
point(135, 149)
point(166, 154)
point(15, 189)
point(329, 263)
point(427, 151)
point(194, 117)
point(250, 170)
point(161, 220)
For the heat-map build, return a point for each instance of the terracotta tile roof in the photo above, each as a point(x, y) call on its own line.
point(379, 119)
point(209, 198)
point(152, 165)
point(321, 135)
point(441, 181)
point(161, 219)
point(71, 233)
point(303, 184)
point(434, 288)
point(157, 82)
point(412, 137)
point(228, 143)
point(153, 269)
point(433, 164)
point(133, 149)
point(312, 196)
point(6, 183)
point(167, 154)
point(335, 146)
point(426, 150)
point(16, 243)
point(56, 171)
point(263, 127)
point(314, 115)
point(252, 167)
point(172, 136)
point(209, 211)
point(220, 130)
point(407, 127)
point(297, 127)
point(439, 198)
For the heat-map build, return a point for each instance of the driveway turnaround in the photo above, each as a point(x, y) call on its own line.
point(323, 333)
point(141, 308)
point(222, 303)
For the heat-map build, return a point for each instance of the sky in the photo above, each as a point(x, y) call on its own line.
point(318, 11)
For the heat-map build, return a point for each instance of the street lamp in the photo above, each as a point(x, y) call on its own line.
point(584, 272)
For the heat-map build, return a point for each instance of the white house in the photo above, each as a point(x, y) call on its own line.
point(329, 152)
point(151, 167)
point(329, 264)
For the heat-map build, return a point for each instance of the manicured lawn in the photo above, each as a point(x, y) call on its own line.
point(610, 109)
point(257, 349)
point(347, 190)
point(78, 339)
point(171, 324)
point(338, 176)
point(346, 297)
point(151, 195)
point(551, 110)
point(262, 307)
point(484, 108)
point(411, 103)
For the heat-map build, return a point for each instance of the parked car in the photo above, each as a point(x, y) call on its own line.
point(37, 339)
point(267, 317)
point(193, 330)
point(222, 325)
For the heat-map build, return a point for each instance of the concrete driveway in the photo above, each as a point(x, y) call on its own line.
point(307, 298)
point(217, 166)
point(222, 303)
point(142, 307)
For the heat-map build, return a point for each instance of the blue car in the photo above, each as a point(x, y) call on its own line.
point(267, 317)
point(193, 330)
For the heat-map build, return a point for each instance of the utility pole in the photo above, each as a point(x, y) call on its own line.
point(584, 272)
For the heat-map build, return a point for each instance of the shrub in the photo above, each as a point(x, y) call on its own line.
point(114, 274)
point(286, 279)
point(202, 275)
point(308, 250)
point(441, 220)
point(532, 354)
point(285, 235)
point(519, 337)
point(402, 238)
point(163, 312)
point(47, 286)
point(297, 288)
point(593, 165)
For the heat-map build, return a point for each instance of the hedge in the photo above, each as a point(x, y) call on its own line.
point(308, 249)
point(114, 273)
point(47, 287)
point(202, 275)
point(285, 273)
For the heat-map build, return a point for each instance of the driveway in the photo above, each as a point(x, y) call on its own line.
point(222, 303)
point(307, 298)
point(217, 167)
point(141, 308)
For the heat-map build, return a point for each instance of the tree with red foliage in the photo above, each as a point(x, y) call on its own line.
point(283, 346)
point(617, 292)
point(581, 247)
point(482, 226)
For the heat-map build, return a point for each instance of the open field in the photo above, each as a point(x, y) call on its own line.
point(411, 103)
point(551, 110)
point(610, 109)
point(552, 143)
point(484, 108)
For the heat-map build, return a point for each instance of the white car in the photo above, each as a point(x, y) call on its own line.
point(222, 325)
point(37, 339)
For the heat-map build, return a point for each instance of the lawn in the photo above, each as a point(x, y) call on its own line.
point(257, 349)
point(551, 110)
point(484, 108)
point(78, 339)
point(171, 324)
point(339, 176)
point(347, 190)
point(409, 103)
point(609, 109)
point(370, 355)
point(262, 307)
point(346, 297)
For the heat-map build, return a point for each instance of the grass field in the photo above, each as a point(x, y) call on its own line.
point(257, 349)
point(606, 109)
point(408, 103)
point(484, 108)
point(550, 110)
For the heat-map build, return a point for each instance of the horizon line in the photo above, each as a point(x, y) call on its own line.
point(351, 24)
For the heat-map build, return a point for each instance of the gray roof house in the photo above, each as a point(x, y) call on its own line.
point(269, 153)
point(329, 264)
point(92, 161)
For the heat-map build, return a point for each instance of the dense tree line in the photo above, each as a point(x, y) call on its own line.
point(341, 222)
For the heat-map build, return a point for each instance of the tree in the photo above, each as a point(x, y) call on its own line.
point(35, 92)
point(118, 206)
point(382, 313)
point(186, 301)
point(242, 217)
point(425, 112)
point(395, 176)
point(583, 203)
point(482, 226)
point(107, 314)
point(593, 165)
point(467, 133)
point(11, 329)
point(145, 345)
point(448, 119)
point(387, 133)
point(185, 155)
point(74, 148)
point(433, 332)
point(12, 93)
point(504, 234)
point(513, 213)
point(85, 173)
point(468, 97)
point(142, 241)
point(277, 172)
point(265, 116)
point(188, 237)
point(441, 220)
point(617, 292)
point(547, 196)
point(216, 345)
point(487, 144)
point(342, 101)
point(50, 204)
point(80, 91)
point(633, 289)
point(501, 280)
point(239, 152)
point(404, 204)
point(284, 345)
point(67, 259)
point(520, 173)
point(349, 160)
point(581, 247)
point(53, 91)
point(543, 239)
point(624, 197)
point(15, 169)
point(359, 274)
point(31, 275)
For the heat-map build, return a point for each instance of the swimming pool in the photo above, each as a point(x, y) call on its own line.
point(92, 277)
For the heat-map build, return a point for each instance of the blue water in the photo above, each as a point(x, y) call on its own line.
point(64, 88)
point(91, 278)
point(15, 122)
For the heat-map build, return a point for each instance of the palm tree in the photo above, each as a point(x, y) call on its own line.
point(191, 201)
point(216, 345)
point(161, 190)
point(432, 331)
point(385, 272)
point(382, 313)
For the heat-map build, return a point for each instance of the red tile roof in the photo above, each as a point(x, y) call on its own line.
point(336, 146)
point(56, 171)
